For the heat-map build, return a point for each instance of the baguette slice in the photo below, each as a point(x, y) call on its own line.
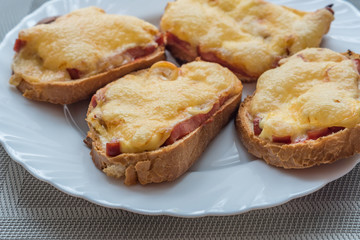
point(169, 161)
point(326, 147)
point(65, 59)
point(246, 36)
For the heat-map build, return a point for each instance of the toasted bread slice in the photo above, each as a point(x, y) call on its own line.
point(173, 119)
point(246, 36)
point(305, 132)
point(66, 59)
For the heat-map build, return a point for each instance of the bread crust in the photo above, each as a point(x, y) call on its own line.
point(68, 92)
point(306, 154)
point(169, 162)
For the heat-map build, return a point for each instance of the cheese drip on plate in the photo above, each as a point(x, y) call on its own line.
point(314, 89)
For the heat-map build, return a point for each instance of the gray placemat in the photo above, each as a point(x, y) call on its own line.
point(31, 209)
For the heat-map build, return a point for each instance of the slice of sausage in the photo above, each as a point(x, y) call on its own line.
point(187, 126)
point(282, 139)
point(256, 123)
point(171, 39)
point(74, 73)
point(113, 148)
point(212, 57)
point(19, 44)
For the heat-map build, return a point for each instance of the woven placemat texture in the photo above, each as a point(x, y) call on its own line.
point(32, 209)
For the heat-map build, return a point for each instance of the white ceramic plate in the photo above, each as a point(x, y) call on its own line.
point(47, 139)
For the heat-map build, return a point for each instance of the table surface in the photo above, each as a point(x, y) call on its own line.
point(31, 209)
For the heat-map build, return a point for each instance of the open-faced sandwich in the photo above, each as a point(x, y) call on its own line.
point(247, 36)
point(68, 59)
point(305, 112)
point(151, 125)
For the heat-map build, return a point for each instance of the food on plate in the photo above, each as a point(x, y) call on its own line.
point(67, 59)
point(305, 112)
point(151, 125)
point(247, 36)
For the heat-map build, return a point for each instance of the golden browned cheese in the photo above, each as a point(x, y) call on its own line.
point(140, 110)
point(314, 89)
point(88, 40)
point(248, 34)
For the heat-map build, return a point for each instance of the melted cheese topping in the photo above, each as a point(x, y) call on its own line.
point(314, 89)
point(87, 39)
point(141, 109)
point(249, 34)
